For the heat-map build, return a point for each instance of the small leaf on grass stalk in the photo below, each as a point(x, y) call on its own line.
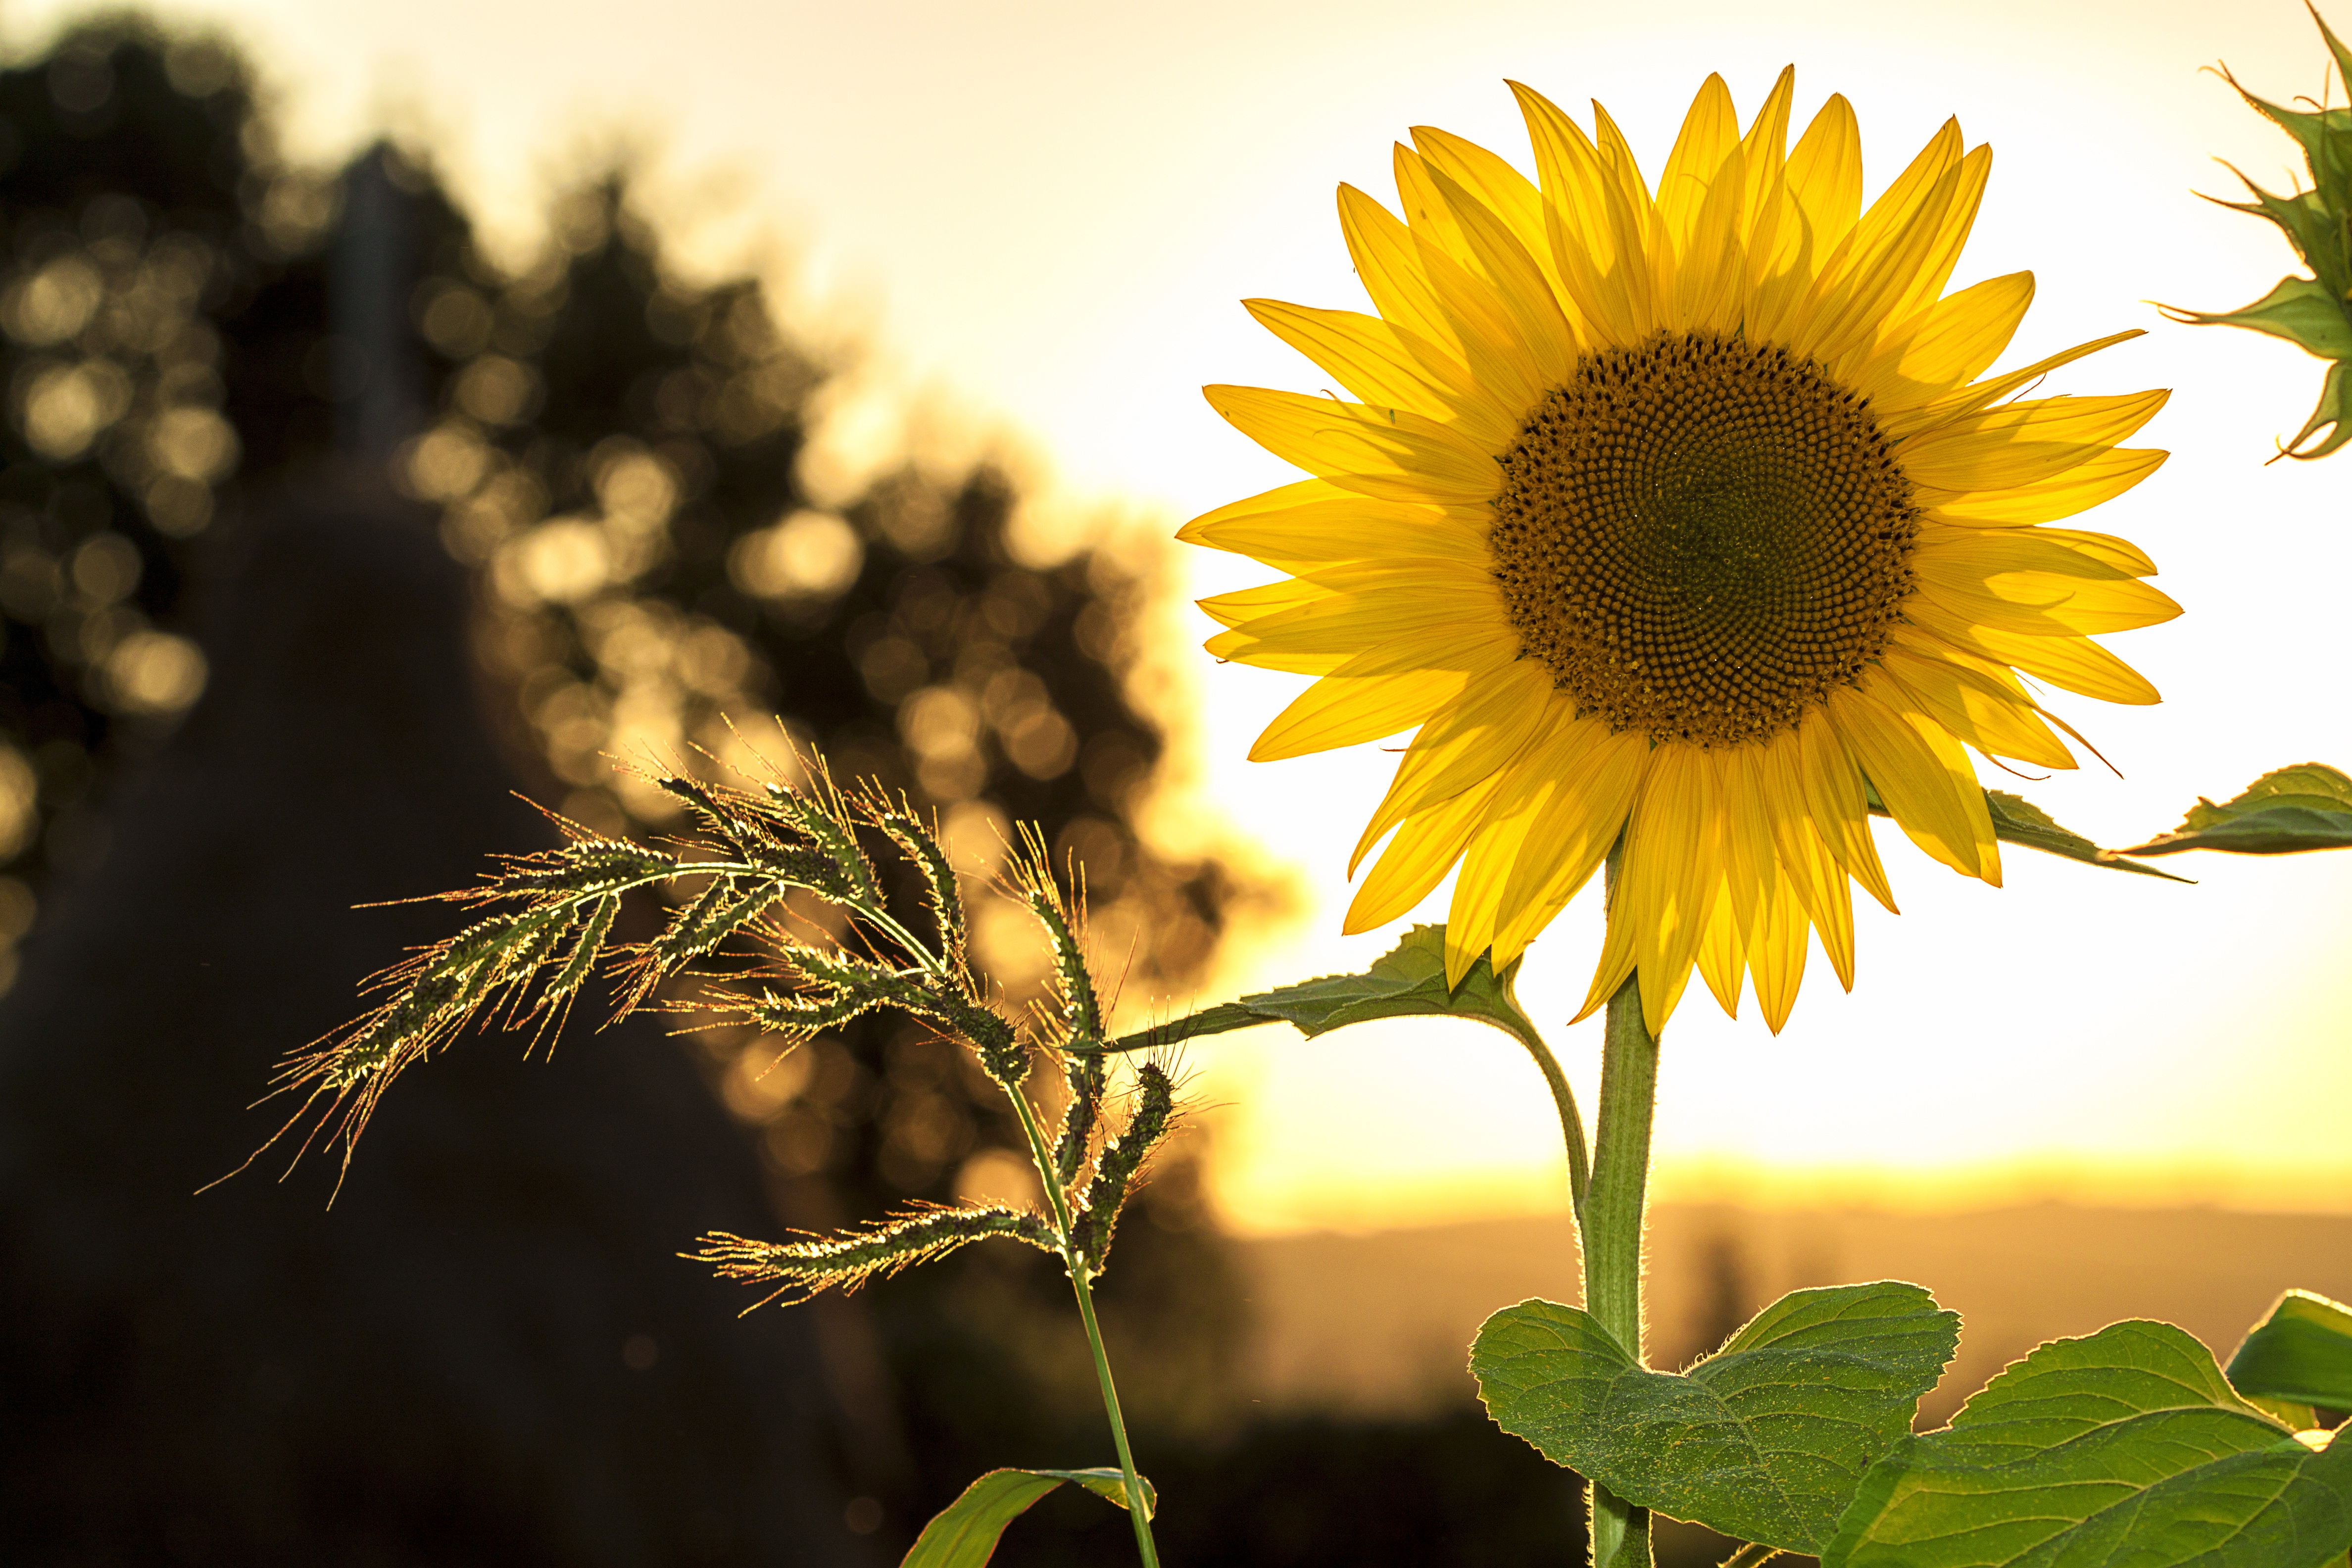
point(1409, 981)
point(965, 1533)
point(2127, 1446)
point(2301, 1352)
point(2285, 812)
point(1766, 1440)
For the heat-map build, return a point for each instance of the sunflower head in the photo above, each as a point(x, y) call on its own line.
point(1683, 519)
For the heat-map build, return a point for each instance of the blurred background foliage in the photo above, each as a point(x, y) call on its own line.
point(192, 326)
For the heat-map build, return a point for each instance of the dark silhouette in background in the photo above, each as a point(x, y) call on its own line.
point(319, 532)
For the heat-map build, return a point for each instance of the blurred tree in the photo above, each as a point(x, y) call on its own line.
point(165, 351)
point(615, 450)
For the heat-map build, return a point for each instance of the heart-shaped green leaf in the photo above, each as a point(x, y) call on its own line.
point(1764, 1440)
point(2285, 812)
point(965, 1533)
point(2302, 1352)
point(2128, 1446)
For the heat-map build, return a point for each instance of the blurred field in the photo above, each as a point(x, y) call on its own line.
point(1378, 1324)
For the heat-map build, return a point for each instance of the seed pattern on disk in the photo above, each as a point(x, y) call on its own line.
point(1702, 538)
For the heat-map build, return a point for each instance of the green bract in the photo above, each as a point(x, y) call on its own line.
point(2128, 1446)
point(1766, 1438)
point(2316, 312)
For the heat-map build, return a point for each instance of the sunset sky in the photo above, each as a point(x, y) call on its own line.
point(1034, 222)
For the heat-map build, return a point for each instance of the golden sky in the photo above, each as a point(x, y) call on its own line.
point(1040, 216)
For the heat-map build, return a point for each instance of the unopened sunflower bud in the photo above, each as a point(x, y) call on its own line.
point(801, 1270)
point(1122, 1159)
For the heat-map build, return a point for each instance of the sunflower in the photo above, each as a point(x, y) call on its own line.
point(1680, 517)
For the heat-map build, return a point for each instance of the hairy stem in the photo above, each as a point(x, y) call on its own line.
point(1752, 1555)
point(1571, 1124)
point(1081, 1275)
point(1612, 1222)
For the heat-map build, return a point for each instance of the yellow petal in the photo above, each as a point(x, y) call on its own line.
point(1498, 186)
point(2023, 443)
point(2100, 477)
point(1268, 598)
point(1520, 287)
point(1475, 645)
point(1824, 173)
point(1388, 264)
point(1592, 792)
point(1425, 213)
point(2074, 663)
point(1394, 453)
point(1901, 424)
point(1765, 148)
point(1673, 872)
point(1922, 775)
point(1710, 133)
point(1424, 849)
point(1324, 533)
point(1471, 920)
point(1832, 784)
point(1814, 875)
point(1777, 955)
point(1483, 733)
point(1890, 259)
point(1336, 711)
point(1723, 956)
point(1584, 243)
point(1949, 344)
point(1975, 709)
point(1351, 623)
point(1380, 363)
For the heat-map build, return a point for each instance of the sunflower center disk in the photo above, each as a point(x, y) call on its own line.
point(1702, 538)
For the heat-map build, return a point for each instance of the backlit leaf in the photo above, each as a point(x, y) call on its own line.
point(1764, 1440)
point(1409, 981)
point(2128, 1446)
point(2308, 807)
point(2019, 821)
point(965, 1533)
point(2301, 1352)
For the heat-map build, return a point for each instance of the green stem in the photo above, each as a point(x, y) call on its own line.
point(1138, 1509)
point(1571, 1125)
point(1139, 1512)
point(1611, 1220)
point(1752, 1555)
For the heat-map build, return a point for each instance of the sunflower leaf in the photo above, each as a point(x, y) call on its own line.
point(2125, 1447)
point(2301, 1354)
point(2016, 820)
point(1409, 981)
point(2285, 812)
point(1765, 1440)
point(965, 1533)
